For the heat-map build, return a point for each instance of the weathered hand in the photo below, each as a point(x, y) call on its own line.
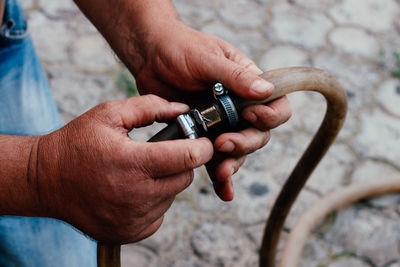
point(182, 64)
point(92, 175)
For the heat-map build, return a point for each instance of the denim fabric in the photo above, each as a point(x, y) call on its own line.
point(27, 108)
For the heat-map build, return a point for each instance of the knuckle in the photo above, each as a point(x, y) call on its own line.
point(240, 73)
point(288, 114)
point(275, 117)
point(265, 139)
point(192, 158)
point(188, 179)
point(152, 98)
point(241, 148)
point(108, 106)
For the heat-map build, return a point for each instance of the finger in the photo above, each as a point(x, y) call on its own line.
point(152, 221)
point(220, 170)
point(243, 81)
point(243, 142)
point(266, 117)
point(144, 110)
point(170, 186)
point(237, 56)
point(172, 157)
point(150, 230)
point(224, 190)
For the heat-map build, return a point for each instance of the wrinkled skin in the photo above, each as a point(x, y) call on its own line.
point(92, 175)
point(181, 70)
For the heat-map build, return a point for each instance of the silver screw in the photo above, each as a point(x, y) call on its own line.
point(218, 89)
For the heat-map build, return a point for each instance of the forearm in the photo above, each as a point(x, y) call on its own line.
point(129, 24)
point(18, 185)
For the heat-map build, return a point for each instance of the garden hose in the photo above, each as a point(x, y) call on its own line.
point(224, 115)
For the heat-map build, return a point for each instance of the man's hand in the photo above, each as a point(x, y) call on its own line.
point(92, 175)
point(182, 64)
point(178, 63)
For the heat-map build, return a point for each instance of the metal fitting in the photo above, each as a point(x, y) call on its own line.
point(218, 89)
point(187, 125)
point(230, 110)
point(210, 116)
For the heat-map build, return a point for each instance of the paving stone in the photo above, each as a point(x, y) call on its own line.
point(374, 170)
point(220, 243)
point(395, 263)
point(312, 114)
point(248, 42)
point(267, 158)
point(357, 79)
point(294, 147)
point(170, 236)
point(390, 44)
point(388, 96)
point(75, 92)
point(350, 127)
point(367, 233)
point(188, 261)
point(135, 255)
point(354, 42)
point(58, 9)
point(313, 111)
point(28, 4)
point(207, 201)
point(320, 5)
point(51, 38)
point(331, 172)
point(283, 56)
point(195, 13)
point(397, 24)
point(303, 202)
point(298, 26)
point(348, 262)
point(242, 13)
point(314, 253)
point(265, 2)
point(81, 26)
point(300, 103)
point(92, 53)
point(254, 195)
point(378, 137)
point(255, 233)
point(375, 15)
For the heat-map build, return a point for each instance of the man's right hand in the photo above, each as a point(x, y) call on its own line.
point(92, 175)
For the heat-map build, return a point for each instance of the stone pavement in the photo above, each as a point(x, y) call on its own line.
point(352, 39)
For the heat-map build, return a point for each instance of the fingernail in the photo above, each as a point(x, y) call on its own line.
point(261, 87)
point(232, 171)
point(227, 147)
point(250, 116)
point(179, 106)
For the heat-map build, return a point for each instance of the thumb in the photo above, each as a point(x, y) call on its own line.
point(144, 110)
point(242, 80)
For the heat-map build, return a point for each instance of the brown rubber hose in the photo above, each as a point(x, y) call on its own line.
point(286, 81)
point(333, 201)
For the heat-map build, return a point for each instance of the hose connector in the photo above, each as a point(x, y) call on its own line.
point(221, 95)
point(187, 126)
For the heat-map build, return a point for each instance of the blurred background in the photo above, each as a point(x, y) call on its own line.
point(358, 41)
